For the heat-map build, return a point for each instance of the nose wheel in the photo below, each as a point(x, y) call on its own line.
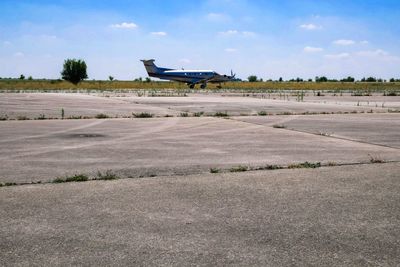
point(203, 86)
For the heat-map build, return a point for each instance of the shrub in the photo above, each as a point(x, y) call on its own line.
point(214, 170)
point(305, 165)
point(279, 126)
point(239, 169)
point(184, 114)
point(101, 116)
point(221, 114)
point(198, 114)
point(142, 115)
point(108, 175)
point(262, 113)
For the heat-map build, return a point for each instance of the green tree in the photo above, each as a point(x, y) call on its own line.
point(74, 71)
point(392, 80)
point(280, 79)
point(111, 78)
point(252, 78)
point(22, 77)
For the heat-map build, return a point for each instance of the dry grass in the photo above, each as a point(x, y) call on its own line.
point(14, 84)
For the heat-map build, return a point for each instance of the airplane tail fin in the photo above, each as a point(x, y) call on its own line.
point(151, 68)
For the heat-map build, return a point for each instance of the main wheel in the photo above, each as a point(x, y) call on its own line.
point(203, 86)
point(191, 86)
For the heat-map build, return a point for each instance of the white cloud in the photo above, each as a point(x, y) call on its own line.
point(124, 25)
point(338, 56)
point(310, 49)
point(237, 33)
point(229, 32)
point(248, 34)
point(310, 27)
point(364, 42)
point(159, 33)
point(19, 54)
point(217, 17)
point(230, 50)
point(7, 43)
point(185, 60)
point(344, 42)
point(373, 53)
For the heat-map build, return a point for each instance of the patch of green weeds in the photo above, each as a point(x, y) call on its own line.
point(239, 168)
point(74, 178)
point(107, 175)
point(9, 184)
point(142, 115)
point(3, 117)
point(184, 114)
point(214, 170)
point(269, 167)
point(279, 126)
point(262, 113)
point(22, 118)
point(221, 114)
point(375, 159)
point(305, 165)
point(101, 116)
point(198, 114)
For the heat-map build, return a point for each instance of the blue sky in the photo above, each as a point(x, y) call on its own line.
point(270, 39)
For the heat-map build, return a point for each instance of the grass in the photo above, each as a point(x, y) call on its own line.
point(15, 84)
point(198, 114)
point(375, 159)
point(239, 168)
point(262, 113)
point(279, 126)
point(269, 167)
point(101, 116)
point(22, 118)
point(184, 114)
point(108, 175)
point(74, 178)
point(142, 115)
point(221, 114)
point(305, 165)
point(214, 170)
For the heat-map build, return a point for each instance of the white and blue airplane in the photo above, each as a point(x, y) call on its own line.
point(190, 77)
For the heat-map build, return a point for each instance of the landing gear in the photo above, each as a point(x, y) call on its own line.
point(204, 85)
point(219, 86)
point(191, 85)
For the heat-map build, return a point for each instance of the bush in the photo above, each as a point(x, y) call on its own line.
point(239, 169)
point(108, 175)
point(101, 116)
point(142, 115)
point(221, 114)
point(262, 113)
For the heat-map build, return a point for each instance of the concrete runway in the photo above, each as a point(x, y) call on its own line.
point(347, 215)
point(44, 150)
point(333, 216)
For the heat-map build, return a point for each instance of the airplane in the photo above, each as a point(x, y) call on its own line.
point(190, 77)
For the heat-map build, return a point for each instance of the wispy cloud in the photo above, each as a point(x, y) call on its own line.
point(19, 54)
point(310, 49)
point(364, 42)
point(230, 50)
point(237, 33)
point(185, 60)
point(373, 53)
point(217, 17)
point(310, 27)
point(344, 42)
point(159, 33)
point(338, 56)
point(7, 43)
point(124, 25)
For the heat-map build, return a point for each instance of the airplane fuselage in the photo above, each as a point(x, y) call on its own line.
point(191, 77)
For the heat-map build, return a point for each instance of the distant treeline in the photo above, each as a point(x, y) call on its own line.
point(254, 78)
